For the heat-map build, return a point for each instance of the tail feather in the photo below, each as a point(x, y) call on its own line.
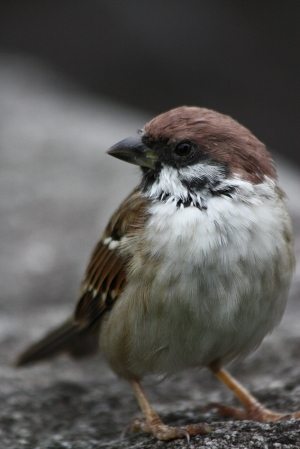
point(65, 338)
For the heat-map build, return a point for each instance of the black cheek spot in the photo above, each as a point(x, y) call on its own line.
point(195, 184)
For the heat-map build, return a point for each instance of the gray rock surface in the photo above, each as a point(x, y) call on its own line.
point(58, 189)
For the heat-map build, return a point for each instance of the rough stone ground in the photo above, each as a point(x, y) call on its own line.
point(58, 189)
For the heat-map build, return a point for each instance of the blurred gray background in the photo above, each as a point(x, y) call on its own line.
point(76, 77)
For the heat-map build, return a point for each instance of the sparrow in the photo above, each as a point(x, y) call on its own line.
point(194, 267)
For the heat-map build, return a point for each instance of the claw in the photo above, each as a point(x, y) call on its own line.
point(186, 434)
point(125, 430)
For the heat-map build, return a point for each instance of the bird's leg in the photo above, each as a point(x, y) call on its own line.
point(153, 424)
point(254, 410)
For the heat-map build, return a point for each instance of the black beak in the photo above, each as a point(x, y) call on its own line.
point(134, 151)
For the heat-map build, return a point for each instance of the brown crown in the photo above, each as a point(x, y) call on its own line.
point(217, 135)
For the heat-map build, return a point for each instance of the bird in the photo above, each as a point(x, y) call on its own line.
point(193, 269)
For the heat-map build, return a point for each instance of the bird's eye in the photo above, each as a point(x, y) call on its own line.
point(183, 149)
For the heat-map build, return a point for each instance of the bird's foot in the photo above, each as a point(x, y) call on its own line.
point(165, 433)
point(255, 413)
point(253, 410)
point(153, 424)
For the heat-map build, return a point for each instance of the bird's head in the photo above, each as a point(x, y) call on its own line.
point(190, 149)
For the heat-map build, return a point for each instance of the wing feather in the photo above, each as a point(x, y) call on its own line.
point(105, 277)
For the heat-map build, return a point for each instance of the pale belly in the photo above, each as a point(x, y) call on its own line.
point(220, 288)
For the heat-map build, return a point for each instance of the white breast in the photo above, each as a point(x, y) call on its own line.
point(204, 284)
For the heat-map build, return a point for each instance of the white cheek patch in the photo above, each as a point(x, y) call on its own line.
point(191, 185)
point(168, 183)
point(212, 173)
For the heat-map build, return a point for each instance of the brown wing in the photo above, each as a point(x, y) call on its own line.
point(105, 277)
